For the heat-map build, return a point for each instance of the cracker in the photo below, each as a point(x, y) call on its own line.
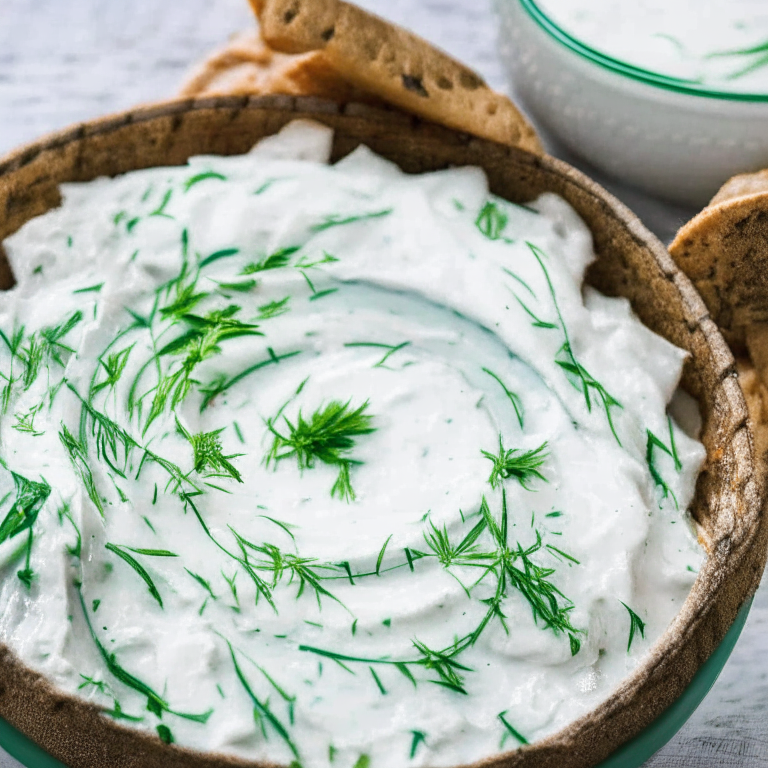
point(396, 65)
point(248, 66)
point(741, 185)
point(724, 250)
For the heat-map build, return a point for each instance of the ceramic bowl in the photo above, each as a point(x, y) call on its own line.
point(668, 137)
point(631, 262)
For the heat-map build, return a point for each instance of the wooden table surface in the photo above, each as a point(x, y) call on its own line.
point(62, 61)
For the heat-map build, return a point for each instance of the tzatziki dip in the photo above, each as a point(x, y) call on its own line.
point(719, 44)
point(332, 464)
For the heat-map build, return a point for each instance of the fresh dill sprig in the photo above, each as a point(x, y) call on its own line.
point(43, 347)
point(274, 309)
point(220, 385)
point(25, 422)
point(202, 582)
point(517, 403)
point(653, 443)
point(155, 703)
point(523, 466)
point(209, 458)
point(64, 512)
point(391, 349)
point(636, 624)
point(579, 377)
point(201, 341)
point(510, 731)
point(328, 436)
point(139, 568)
point(276, 260)
point(113, 367)
point(261, 708)
point(29, 500)
point(279, 564)
point(79, 458)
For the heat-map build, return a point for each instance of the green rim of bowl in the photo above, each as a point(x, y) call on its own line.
point(632, 755)
point(678, 85)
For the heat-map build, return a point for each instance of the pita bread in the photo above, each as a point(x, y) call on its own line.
point(388, 61)
point(247, 65)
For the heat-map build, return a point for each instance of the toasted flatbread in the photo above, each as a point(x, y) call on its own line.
point(247, 65)
point(724, 250)
point(741, 185)
point(388, 61)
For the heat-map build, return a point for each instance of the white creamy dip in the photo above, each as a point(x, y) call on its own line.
point(720, 44)
point(253, 494)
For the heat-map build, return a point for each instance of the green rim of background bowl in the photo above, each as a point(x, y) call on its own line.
point(632, 755)
point(678, 85)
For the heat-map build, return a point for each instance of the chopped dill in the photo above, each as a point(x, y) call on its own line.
point(636, 624)
point(418, 738)
point(510, 731)
point(139, 568)
point(222, 254)
point(274, 309)
point(25, 422)
point(491, 221)
point(165, 735)
point(220, 385)
point(113, 368)
point(160, 210)
point(578, 376)
point(276, 260)
point(197, 178)
point(79, 459)
point(391, 349)
point(517, 403)
point(336, 221)
point(654, 443)
point(90, 289)
point(513, 463)
point(379, 684)
point(202, 582)
point(261, 710)
point(321, 294)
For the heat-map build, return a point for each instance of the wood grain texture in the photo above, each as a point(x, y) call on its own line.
point(62, 62)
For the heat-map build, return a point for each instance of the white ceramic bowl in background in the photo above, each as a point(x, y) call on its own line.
point(669, 137)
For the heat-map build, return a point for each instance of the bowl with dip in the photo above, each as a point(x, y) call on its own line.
point(671, 97)
point(508, 222)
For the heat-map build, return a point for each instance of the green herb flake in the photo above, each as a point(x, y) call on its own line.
point(636, 624)
point(328, 436)
point(512, 463)
point(204, 176)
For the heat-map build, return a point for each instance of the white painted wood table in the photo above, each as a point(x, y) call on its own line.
point(63, 61)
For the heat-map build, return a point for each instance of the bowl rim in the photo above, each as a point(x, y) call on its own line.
point(625, 69)
point(736, 554)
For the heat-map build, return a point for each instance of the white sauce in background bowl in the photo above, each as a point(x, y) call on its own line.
point(343, 605)
point(720, 44)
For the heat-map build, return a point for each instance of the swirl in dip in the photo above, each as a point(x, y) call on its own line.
point(332, 464)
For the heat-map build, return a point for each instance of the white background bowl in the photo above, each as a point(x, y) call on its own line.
point(677, 141)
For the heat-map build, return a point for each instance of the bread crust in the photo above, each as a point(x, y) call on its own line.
point(631, 262)
point(394, 64)
point(247, 65)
